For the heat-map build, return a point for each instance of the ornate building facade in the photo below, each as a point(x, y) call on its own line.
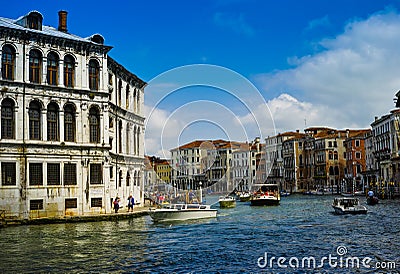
point(71, 122)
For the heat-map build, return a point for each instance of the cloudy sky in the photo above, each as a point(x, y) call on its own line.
point(236, 69)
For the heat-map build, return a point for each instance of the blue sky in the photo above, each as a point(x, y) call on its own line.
point(316, 62)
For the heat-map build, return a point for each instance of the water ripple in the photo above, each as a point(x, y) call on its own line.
point(232, 243)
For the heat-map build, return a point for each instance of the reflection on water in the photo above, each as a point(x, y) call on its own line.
point(231, 243)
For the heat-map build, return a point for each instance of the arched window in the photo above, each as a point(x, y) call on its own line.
point(94, 125)
point(34, 120)
point(134, 178)
point(52, 69)
point(69, 71)
point(120, 178)
point(138, 101)
point(8, 62)
point(35, 66)
point(7, 119)
point(336, 170)
point(127, 96)
point(120, 136)
point(134, 99)
point(69, 123)
point(137, 140)
point(128, 178)
point(94, 73)
point(119, 92)
point(331, 170)
point(128, 131)
point(134, 140)
point(52, 122)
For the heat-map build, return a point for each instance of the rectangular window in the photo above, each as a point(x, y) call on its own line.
point(71, 203)
point(7, 120)
point(53, 174)
point(8, 174)
point(8, 60)
point(52, 126)
point(96, 202)
point(96, 174)
point(69, 174)
point(52, 72)
point(357, 143)
point(69, 71)
point(69, 127)
point(36, 204)
point(35, 174)
point(358, 155)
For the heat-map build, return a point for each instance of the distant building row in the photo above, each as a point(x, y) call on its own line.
point(320, 159)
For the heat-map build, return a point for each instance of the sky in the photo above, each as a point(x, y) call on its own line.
point(236, 69)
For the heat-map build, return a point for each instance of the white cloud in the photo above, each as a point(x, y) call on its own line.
point(352, 80)
point(319, 22)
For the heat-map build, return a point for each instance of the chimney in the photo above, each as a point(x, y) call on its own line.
point(62, 20)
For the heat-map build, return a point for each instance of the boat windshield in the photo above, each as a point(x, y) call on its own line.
point(346, 202)
point(265, 188)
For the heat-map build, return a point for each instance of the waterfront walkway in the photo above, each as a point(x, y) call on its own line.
point(122, 214)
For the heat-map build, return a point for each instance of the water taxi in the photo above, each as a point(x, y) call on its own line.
point(348, 206)
point(182, 212)
point(244, 196)
point(266, 195)
point(227, 201)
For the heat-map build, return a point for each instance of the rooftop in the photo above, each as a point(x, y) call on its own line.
point(20, 25)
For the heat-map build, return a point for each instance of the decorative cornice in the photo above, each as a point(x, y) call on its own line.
point(28, 36)
point(125, 74)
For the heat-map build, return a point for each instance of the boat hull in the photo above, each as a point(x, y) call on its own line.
point(348, 206)
point(182, 212)
point(341, 211)
point(264, 201)
point(227, 204)
point(244, 198)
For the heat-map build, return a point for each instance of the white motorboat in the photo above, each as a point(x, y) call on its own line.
point(227, 201)
point(244, 196)
point(348, 206)
point(182, 212)
point(266, 195)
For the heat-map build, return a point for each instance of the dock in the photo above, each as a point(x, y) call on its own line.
point(121, 215)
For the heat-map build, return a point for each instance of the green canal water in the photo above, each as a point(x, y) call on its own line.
point(240, 240)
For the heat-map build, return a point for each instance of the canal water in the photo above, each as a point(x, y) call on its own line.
point(240, 240)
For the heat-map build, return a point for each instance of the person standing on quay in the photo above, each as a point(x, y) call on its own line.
point(131, 203)
point(116, 204)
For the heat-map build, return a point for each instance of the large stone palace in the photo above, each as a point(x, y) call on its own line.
point(72, 122)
